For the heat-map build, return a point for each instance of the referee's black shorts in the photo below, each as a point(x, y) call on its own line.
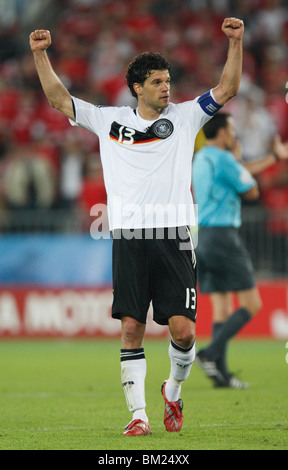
point(157, 265)
point(223, 263)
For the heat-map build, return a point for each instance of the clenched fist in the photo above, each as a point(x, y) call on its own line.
point(233, 28)
point(40, 40)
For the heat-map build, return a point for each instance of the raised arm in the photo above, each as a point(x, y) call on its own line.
point(56, 93)
point(231, 76)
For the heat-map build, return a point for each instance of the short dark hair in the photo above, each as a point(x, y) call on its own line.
point(141, 67)
point(219, 121)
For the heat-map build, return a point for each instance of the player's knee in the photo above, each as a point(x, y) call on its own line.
point(132, 332)
point(185, 341)
point(184, 338)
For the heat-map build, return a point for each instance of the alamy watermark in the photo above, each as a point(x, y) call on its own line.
point(159, 222)
point(287, 354)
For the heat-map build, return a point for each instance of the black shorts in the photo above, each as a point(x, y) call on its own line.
point(157, 265)
point(224, 264)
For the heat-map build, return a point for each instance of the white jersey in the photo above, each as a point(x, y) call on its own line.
point(147, 164)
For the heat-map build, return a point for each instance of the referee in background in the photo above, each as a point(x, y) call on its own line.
point(219, 183)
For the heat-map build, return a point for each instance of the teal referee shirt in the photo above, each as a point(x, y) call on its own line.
point(218, 180)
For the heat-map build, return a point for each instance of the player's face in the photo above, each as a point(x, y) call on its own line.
point(230, 134)
point(155, 92)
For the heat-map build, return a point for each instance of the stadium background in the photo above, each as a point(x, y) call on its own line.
point(55, 278)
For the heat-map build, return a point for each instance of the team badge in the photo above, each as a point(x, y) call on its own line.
point(162, 128)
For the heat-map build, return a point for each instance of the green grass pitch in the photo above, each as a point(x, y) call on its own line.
point(66, 394)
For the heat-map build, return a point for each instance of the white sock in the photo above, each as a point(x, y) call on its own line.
point(140, 414)
point(181, 363)
point(133, 373)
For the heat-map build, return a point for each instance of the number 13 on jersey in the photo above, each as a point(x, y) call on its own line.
point(191, 298)
point(126, 135)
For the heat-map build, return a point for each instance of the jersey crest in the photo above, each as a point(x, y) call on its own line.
point(160, 129)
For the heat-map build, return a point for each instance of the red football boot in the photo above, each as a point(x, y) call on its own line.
point(137, 427)
point(173, 417)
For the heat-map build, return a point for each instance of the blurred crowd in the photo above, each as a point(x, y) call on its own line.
point(45, 164)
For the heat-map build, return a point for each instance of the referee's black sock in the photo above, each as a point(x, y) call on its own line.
point(221, 361)
point(230, 328)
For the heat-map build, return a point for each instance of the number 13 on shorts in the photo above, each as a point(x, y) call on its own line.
point(191, 298)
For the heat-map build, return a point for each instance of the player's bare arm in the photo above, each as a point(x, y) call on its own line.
point(229, 84)
point(56, 93)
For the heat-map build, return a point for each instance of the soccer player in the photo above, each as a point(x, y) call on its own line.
point(146, 156)
point(219, 181)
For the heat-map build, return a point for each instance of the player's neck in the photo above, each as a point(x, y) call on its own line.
point(148, 112)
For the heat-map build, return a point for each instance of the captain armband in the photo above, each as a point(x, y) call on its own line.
point(208, 104)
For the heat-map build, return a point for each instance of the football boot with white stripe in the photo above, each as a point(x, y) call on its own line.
point(137, 427)
point(210, 368)
point(173, 417)
point(233, 382)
